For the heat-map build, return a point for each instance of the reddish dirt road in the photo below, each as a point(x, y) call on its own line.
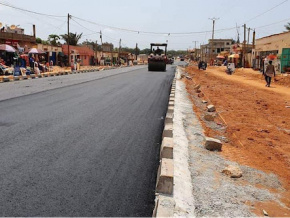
point(257, 120)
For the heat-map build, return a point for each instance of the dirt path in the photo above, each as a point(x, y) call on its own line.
point(255, 80)
point(257, 122)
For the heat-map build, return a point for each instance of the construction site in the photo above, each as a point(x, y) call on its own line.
point(252, 123)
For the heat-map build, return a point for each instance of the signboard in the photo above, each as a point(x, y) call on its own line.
point(12, 42)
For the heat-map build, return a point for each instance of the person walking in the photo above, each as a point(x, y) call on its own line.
point(269, 73)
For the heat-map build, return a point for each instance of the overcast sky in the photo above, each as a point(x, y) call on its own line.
point(162, 16)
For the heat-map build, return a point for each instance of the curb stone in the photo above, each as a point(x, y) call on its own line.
point(164, 202)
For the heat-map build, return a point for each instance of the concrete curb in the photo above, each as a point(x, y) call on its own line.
point(164, 202)
point(12, 78)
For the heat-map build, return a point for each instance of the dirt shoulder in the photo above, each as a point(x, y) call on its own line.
point(253, 122)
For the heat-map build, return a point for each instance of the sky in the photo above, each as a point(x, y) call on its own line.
point(164, 17)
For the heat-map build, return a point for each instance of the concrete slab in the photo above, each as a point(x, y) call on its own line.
point(165, 206)
point(6, 79)
point(165, 177)
point(171, 103)
point(168, 130)
point(167, 148)
point(170, 109)
point(169, 117)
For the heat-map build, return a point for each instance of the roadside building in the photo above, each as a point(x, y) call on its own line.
point(52, 52)
point(214, 48)
point(16, 38)
point(277, 46)
point(82, 53)
point(194, 54)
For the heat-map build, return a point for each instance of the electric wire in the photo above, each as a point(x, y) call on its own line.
point(34, 12)
point(259, 15)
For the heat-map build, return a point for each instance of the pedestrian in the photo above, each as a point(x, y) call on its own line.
point(31, 62)
point(36, 69)
point(269, 73)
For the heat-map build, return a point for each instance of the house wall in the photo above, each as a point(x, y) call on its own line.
point(274, 42)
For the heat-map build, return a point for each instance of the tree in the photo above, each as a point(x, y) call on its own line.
point(38, 40)
point(287, 26)
point(53, 39)
point(73, 38)
point(145, 51)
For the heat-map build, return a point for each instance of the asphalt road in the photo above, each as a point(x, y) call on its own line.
point(87, 149)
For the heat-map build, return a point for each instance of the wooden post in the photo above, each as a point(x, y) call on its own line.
point(244, 47)
point(68, 39)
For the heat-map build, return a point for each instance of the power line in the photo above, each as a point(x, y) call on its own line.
point(94, 32)
point(265, 12)
point(148, 32)
point(272, 23)
point(21, 9)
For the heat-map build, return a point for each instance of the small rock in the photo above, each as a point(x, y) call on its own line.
point(208, 117)
point(197, 87)
point(265, 213)
point(210, 108)
point(213, 144)
point(233, 171)
point(198, 91)
point(287, 106)
point(200, 95)
point(204, 101)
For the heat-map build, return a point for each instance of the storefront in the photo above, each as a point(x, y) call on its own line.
point(83, 54)
point(51, 52)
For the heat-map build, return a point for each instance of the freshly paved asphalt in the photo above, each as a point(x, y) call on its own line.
point(88, 149)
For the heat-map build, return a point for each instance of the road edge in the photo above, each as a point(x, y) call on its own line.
point(173, 185)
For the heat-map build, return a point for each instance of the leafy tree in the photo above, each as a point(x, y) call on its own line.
point(53, 39)
point(145, 51)
point(45, 42)
point(287, 26)
point(73, 38)
point(38, 40)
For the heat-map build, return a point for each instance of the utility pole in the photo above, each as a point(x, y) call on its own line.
point(212, 38)
point(249, 30)
point(136, 50)
point(120, 43)
point(101, 37)
point(68, 39)
point(254, 38)
point(96, 53)
point(244, 46)
point(195, 49)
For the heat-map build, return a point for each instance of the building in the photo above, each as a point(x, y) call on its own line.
point(214, 47)
point(52, 52)
point(195, 54)
point(17, 38)
point(271, 45)
point(82, 53)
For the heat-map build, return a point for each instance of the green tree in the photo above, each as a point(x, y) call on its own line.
point(145, 51)
point(287, 26)
point(53, 39)
point(73, 38)
point(38, 40)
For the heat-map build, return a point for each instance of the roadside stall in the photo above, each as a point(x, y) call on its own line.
point(219, 60)
point(7, 53)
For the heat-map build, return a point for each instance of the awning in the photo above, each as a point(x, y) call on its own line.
point(234, 56)
point(7, 48)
